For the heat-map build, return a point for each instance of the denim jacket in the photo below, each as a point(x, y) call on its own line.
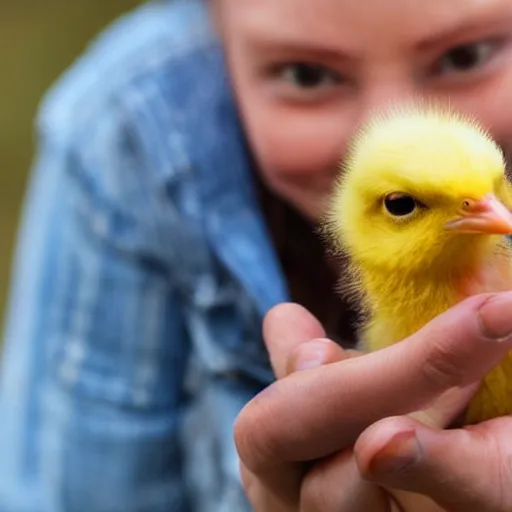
point(143, 271)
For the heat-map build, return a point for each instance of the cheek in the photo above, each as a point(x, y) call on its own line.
point(294, 145)
point(489, 103)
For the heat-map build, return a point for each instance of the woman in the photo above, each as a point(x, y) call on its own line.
point(180, 174)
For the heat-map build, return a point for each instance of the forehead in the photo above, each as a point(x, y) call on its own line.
point(352, 22)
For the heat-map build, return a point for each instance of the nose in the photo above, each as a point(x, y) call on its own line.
point(378, 91)
point(377, 96)
point(380, 95)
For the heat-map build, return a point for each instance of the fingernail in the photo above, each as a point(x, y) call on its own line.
point(312, 356)
point(496, 317)
point(399, 453)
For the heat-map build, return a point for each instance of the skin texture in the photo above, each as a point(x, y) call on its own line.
point(305, 443)
point(356, 462)
point(370, 56)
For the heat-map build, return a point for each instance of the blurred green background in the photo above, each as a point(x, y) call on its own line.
point(38, 40)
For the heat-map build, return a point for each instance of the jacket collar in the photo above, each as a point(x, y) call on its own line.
point(234, 221)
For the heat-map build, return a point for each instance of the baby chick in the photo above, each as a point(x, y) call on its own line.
point(421, 210)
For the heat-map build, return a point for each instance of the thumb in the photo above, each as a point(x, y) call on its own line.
point(463, 470)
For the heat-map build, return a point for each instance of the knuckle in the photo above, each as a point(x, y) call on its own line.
point(317, 485)
point(313, 497)
point(243, 437)
point(441, 369)
point(254, 442)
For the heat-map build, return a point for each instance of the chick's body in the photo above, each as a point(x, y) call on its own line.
point(421, 211)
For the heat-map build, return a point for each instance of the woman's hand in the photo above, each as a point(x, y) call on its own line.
point(296, 343)
point(296, 438)
point(464, 470)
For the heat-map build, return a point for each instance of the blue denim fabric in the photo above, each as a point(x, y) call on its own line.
point(143, 271)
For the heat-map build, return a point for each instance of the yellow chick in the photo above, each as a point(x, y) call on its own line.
point(421, 210)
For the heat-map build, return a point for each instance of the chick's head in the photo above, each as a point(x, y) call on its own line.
point(421, 190)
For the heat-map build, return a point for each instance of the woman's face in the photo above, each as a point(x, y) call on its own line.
point(307, 73)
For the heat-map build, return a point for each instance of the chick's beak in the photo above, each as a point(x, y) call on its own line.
point(487, 216)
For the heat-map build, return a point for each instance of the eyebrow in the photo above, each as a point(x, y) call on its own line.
point(274, 40)
point(289, 46)
point(482, 20)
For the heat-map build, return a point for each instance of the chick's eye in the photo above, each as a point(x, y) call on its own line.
point(400, 205)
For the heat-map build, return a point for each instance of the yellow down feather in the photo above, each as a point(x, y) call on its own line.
point(406, 270)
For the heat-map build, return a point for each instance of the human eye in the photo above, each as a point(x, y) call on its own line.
point(303, 75)
point(306, 82)
point(466, 58)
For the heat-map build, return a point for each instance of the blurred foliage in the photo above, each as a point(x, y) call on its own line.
point(38, 40)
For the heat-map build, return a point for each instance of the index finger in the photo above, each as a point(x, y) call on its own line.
point(288, 328)
point(317, 412)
